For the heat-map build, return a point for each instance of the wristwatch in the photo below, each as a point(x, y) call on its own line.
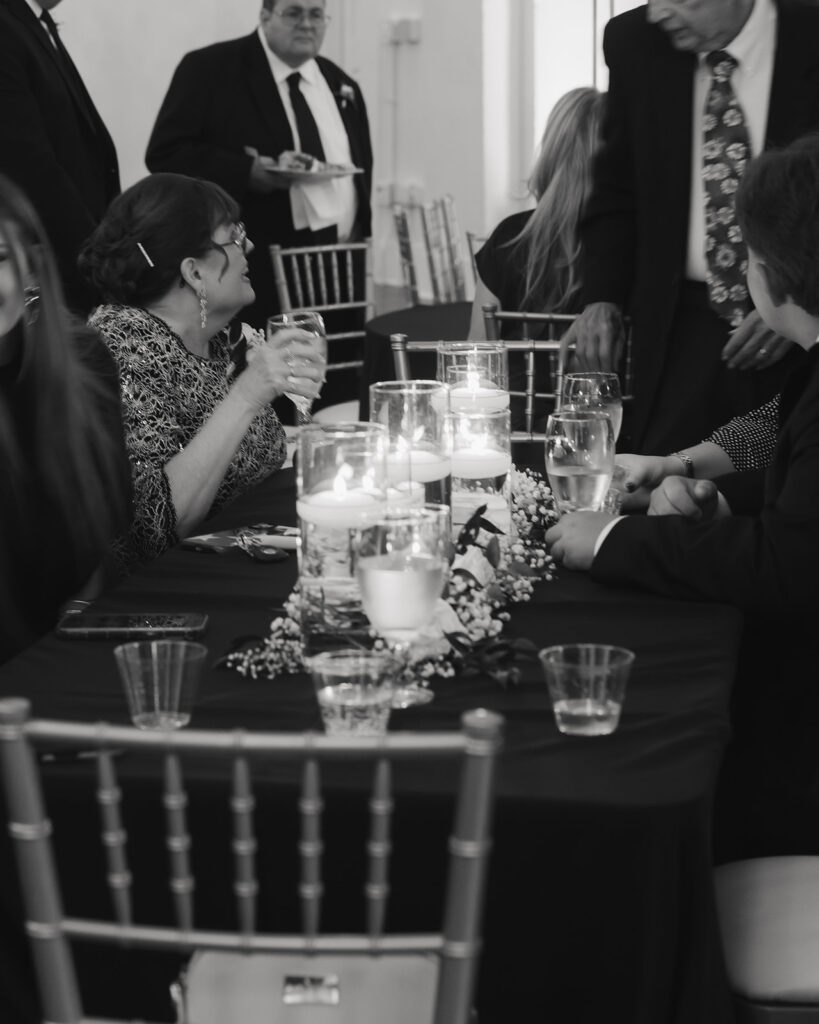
point(687, 463)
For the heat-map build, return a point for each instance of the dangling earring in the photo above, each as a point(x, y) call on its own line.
point(203, 308)
point(31, 300)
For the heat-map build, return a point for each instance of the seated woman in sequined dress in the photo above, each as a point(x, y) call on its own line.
point(169, 258)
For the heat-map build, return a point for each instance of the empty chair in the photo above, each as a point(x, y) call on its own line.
point(243, 974)
point(336, 281)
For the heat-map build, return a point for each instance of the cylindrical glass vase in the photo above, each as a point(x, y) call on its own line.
point(481, 467)
point(415, 414)
point(341, 482)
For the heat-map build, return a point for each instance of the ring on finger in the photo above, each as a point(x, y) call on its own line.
point(762, 352)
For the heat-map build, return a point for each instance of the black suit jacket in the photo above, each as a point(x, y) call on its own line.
point(766, 562)
point(223, 98)
point(635, 230)
point(53, 142)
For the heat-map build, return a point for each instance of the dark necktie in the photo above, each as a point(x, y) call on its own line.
point(725, 151)
point(69, 69)
point(309, 137)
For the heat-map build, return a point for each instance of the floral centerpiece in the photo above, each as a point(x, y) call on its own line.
point(467, 633)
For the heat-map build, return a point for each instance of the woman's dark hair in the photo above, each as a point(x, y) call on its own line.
point(134, 255)
point(777, 206)
point(72, 451)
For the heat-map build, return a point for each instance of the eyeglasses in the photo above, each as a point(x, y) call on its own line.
point(294, 15)
point(238, 237)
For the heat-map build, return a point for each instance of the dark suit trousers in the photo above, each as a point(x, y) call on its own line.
point(697, 392)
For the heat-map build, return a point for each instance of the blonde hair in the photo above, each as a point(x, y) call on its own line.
point(560, 182)
point(74, 458)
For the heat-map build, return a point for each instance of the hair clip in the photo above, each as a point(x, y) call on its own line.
point(148, 259)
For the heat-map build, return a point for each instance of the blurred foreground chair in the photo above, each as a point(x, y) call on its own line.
point(769, 915)
point(336, 281)
point(242, 975)
point(432, 251)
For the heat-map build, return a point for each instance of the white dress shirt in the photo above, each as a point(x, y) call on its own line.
point(37, 10)
point(753, 50)
point(320, 205)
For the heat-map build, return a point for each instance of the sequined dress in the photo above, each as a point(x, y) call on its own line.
point(168, 393)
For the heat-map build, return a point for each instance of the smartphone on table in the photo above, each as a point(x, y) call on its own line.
point(91, 625)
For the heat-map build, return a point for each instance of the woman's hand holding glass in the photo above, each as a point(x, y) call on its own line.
point(313, 325)
point(287, 363)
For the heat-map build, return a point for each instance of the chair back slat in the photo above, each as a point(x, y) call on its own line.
point(326, 296)
point(379, 848)
point(245, 886)
point(178, 841)
point(398, 343)
point(298, 284)
point(469, 848)
point(30, 832)
point(114, 837)
point(280, 278)
point(310, 849)
point(430, 223)
point(456, 254)
point(402, 231)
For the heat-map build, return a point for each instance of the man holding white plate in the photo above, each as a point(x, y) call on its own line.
point(250, 113)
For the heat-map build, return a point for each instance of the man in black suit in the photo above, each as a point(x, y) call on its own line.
point(53, 142)
point(234, 108)
point(646, 234)
point(753, 538)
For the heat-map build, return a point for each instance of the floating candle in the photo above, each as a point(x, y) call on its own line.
point(479, 463)
point(418, 464)
point(340, 510)
point(464, 398)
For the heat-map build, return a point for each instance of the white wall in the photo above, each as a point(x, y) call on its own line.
point(457, 111)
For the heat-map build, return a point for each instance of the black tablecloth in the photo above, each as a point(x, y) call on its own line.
point(600, 905)
point(446, 322)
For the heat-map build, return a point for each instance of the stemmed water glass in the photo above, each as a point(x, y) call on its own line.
point(579, 459)
point(594, 391)
point(313, 324)
point(401, 563)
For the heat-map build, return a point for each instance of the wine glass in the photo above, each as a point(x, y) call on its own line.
point(313, 324)
point(401, 565)
point(594, 391)
point(579, 459)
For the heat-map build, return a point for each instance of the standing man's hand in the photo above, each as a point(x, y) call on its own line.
point(598, 337)
point(754, 346)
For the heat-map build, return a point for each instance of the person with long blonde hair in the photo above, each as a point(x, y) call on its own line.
point(64, 481)
point(530, 261)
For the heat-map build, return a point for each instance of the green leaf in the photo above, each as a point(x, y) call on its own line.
point(493, 552)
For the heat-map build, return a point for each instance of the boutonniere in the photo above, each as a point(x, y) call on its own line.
point(345, 95)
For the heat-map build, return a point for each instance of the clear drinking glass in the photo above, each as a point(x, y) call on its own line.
point(587, 684)
point(313, 324)
point(160, 678)
point(594, 391)
point(354, 690)
point(401, 565)
point(579, 459)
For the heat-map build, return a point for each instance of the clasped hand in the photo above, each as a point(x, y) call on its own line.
point(289, 362)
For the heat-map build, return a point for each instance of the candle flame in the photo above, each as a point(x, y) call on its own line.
point(345, 473)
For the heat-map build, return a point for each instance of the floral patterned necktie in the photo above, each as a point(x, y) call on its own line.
point(725, 151)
